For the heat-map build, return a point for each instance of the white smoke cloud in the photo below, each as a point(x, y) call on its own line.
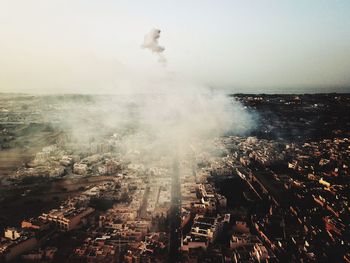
point(160, 123)
point(151, 42)
point(159, 116)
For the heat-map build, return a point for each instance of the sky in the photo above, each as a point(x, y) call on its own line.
point(92, 46)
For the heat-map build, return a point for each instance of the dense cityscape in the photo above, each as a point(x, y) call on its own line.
point(276, 192)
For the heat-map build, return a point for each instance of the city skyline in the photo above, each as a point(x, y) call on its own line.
point(235, 46)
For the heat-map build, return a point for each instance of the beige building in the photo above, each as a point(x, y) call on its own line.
point(67, 218)
point(15, 243)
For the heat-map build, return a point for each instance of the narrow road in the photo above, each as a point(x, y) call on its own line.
point(175, 220)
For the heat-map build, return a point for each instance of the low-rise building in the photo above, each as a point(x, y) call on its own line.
point(67, 218)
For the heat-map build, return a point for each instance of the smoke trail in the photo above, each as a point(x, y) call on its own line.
point(151, 42)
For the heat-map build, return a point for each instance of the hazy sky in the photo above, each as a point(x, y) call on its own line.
point(94, 46)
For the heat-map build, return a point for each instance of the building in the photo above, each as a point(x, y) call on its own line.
point(15, 243)
point(67, 219)
point(207, 227)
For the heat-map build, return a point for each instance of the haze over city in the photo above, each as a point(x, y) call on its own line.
point(174, 131)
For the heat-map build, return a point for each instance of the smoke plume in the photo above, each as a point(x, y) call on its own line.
point(151, 42)
point(156, 118)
